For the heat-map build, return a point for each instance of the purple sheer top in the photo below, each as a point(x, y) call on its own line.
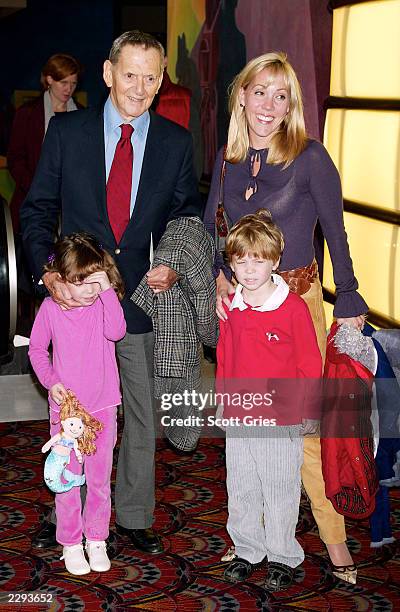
point(307, 191)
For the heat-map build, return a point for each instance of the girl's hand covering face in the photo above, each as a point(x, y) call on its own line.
point(101, 278)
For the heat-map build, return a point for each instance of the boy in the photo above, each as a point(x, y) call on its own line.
point(268, 336)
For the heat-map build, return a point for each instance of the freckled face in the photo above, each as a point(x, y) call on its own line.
point(84, 293)
point(266, 104)
point(253, 272)
point(134, 80)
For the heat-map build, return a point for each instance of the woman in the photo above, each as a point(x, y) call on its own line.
point(270, 163)
point(59, 79)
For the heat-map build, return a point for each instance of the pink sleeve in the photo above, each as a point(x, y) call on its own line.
point(114, 320)
point(39, 348)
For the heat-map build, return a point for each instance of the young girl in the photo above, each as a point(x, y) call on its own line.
point(83, 360)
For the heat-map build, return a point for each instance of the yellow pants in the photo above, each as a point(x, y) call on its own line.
point(330, 523)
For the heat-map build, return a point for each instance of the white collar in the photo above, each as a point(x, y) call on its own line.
point(48, 109)
point(272, 303)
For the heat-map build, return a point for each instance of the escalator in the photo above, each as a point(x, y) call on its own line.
point(8, 285)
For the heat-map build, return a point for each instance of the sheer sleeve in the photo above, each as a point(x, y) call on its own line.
point(325, 189)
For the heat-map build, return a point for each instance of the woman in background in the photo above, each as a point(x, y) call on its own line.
point(59, 79)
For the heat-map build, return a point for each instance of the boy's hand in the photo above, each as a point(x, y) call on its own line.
point(101, 278)
point(309, 427)
point(57, 393)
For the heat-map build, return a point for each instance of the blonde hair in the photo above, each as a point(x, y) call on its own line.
point(256, 234)
point(290, 140)
point(78, 255)
point(71, 408)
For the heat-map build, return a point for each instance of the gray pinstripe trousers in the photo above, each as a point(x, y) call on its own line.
point(264, 485)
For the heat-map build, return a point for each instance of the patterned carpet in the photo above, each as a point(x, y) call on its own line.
point(191, 515)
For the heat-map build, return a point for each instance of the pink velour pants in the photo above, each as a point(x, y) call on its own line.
point(94, 521)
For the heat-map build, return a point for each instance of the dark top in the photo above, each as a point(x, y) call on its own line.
point(308, 190)
point(71, 180)
point(24, 151)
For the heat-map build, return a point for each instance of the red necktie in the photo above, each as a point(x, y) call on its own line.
point(119, 184)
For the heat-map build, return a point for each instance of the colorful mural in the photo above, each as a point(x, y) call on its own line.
point(209, 41)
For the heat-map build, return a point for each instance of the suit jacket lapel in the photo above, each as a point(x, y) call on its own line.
point(154, 156)
point(94, 157)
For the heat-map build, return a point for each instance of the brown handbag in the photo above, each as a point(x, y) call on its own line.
point(222, 221)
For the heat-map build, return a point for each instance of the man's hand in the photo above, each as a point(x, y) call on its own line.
point(57, 393)
point(309, 427)
point(161, 278)
point(58, 290)
point(224, 289)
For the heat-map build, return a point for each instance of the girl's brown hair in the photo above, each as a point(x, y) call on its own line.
point(71, 408)
point(78, 255)
point(59, 66)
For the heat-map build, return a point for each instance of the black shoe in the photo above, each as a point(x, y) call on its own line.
point(46, 537)
point(239, 569)
point(145, 540)
point(279, 577)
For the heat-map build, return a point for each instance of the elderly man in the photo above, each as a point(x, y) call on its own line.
point(120, 172)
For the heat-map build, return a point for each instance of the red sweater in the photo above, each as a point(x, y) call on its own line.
point(276, 352)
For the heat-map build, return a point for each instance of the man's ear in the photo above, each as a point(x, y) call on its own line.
point(160, 78)
point(107, 73)
point(276, 265)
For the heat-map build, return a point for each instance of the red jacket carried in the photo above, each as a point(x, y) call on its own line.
point(348, 463)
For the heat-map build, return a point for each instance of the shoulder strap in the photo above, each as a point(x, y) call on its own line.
point(221, 178)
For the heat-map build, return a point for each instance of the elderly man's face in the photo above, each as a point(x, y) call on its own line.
point(134, 80)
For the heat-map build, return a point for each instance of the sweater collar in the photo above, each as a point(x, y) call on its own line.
point(272, 303)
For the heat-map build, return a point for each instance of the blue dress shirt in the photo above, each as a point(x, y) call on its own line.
point(112, 134)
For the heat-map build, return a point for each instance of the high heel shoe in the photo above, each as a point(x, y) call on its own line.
point(348, 573)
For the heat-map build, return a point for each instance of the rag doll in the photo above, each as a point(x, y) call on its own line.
point(77, 434)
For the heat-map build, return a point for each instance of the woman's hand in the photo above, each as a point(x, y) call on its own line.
point(357, 322)
point(101, 278)
point(224, 289)
point(57, 393)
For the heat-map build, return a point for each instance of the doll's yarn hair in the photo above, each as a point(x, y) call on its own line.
point(72, 408)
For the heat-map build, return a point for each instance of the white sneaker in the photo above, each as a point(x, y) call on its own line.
point(97, 553)
point(75, 560)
